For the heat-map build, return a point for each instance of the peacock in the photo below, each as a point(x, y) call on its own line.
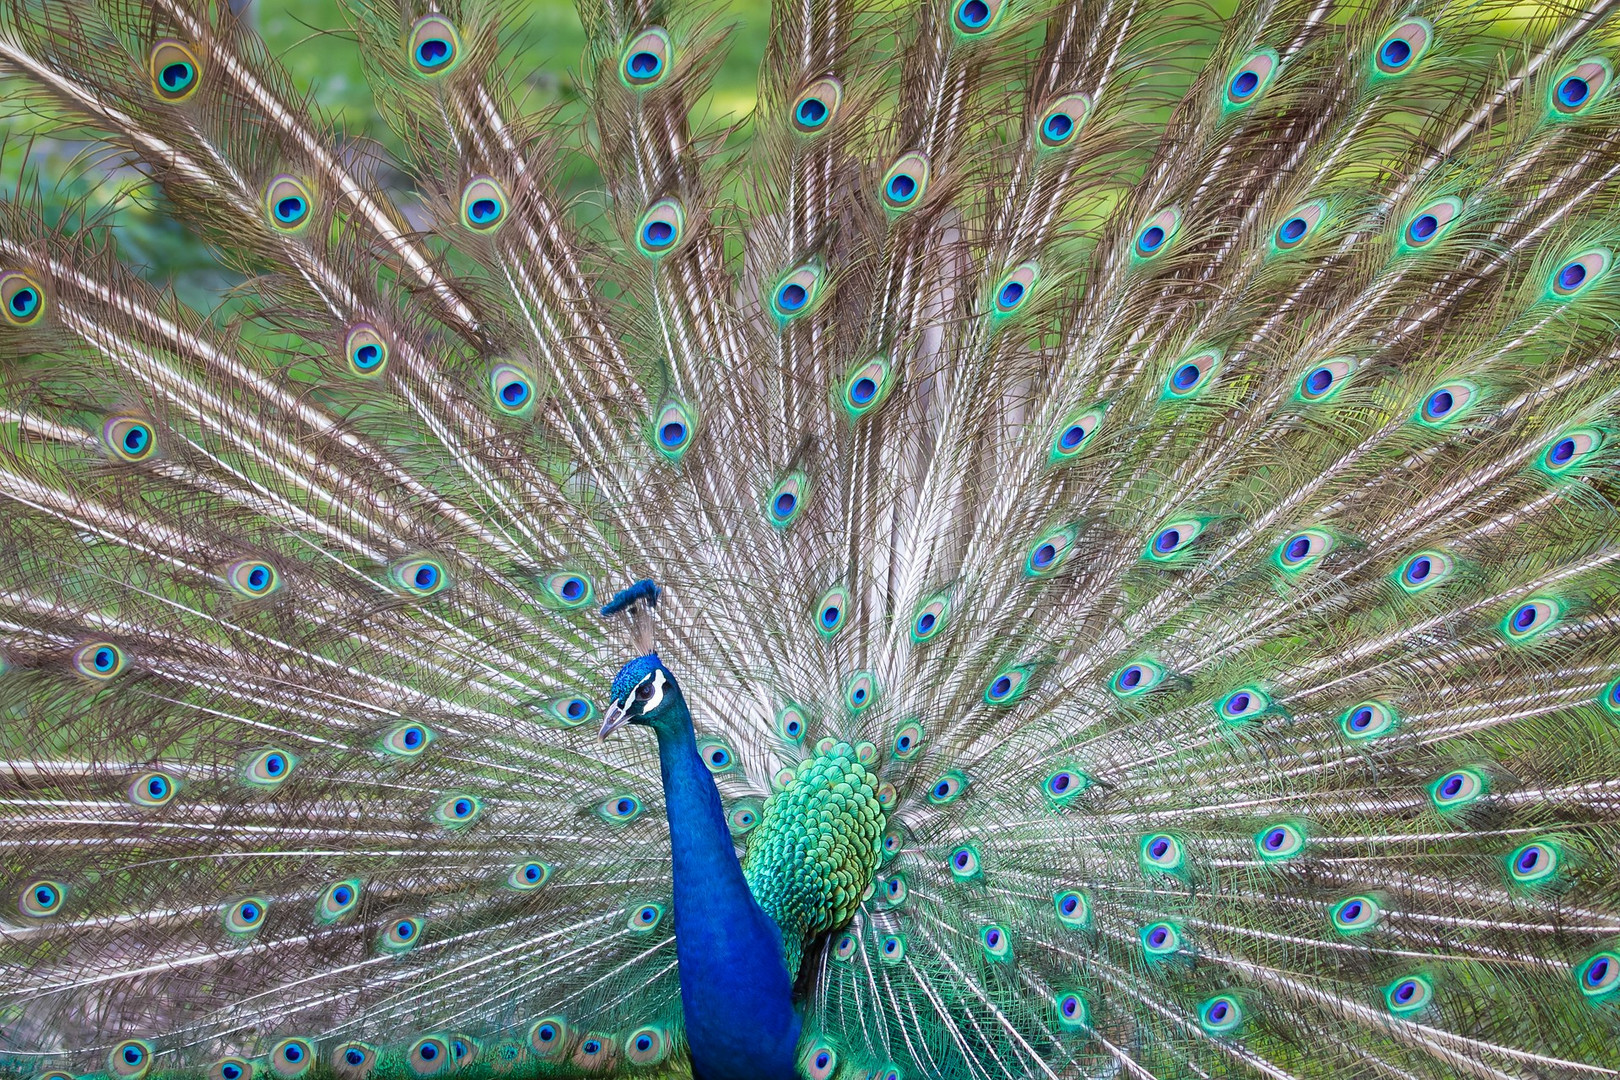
point(1077, 539)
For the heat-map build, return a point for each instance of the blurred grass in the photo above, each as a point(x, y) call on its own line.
point(544, 45)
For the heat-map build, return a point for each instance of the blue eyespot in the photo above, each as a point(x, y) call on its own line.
point(435, 47)
point(646, 60)
point(174, 71)
point(975, 18)
point(22, 300)
point(288, 203)
point(1251, 78)
point(1014, 290)
point(817, 105)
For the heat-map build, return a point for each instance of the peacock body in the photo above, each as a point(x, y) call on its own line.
point(1130, 490)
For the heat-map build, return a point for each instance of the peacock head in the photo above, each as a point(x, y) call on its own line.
point(644, 692)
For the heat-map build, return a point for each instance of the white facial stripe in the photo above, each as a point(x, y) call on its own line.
point(657, 694)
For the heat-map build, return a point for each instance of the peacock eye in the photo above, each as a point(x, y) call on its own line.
point(644, 691)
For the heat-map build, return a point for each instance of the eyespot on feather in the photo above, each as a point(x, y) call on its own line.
point(401, 935)
point(130, 1059)
point(288, 204)
point(1242, 705)
point(1137, 677)
point(1531, 618)
point(866, 387)
point(230, 1068)
point(419, 577)
point(129, 439)
point(1072, 434)
point(860, 691)
point(1368, 720)
point(244, 917)
point(153, 789)
point(791, 724)
point(99, 660)
point(1221, 1014)
point(252, 578)
point(930, 618)
point(1173, 541)
point(549, 1037)
point(1579, 273)
point(1060, 123)
point(661, 229)
point(268, 768)
point(974, 19)
point(1049, 552)
point(457, 810)
point(528, 876)
point(1007, 685)
point(647, 1045)
point(512, 388)
point(1250, 79)
point(484, 205)
point(1430, 224)
point(353, 1060)
point(1161, 853)
point(1191, 374)
point(434, 46)
point(1160, 940)
point(1408, 994)
point(1073, 1014)
point(1457, 789)
point(1401, 49)
point(1577, 90)
point(1424, 570)
point(1569, 450)
point(1297, 226)
point(832, 612)
point(337, 901)
point(408, 740)
point(673, 430)
point(647, 60)
point(619, 809)
point(1013, 291)
point(1302, 550)
point(174, 71)
point(948, 788)
point(365, 350)
point(568, 590)
point(41, 899)
point(22, 299)
point(905, 184)
point(644, 918)
point(717, 757)
point(1355, 914)
point(814, 110)
point(1073, 908)
point(1280, 842)
point(785, 501)
point(430, 1056)
point(1446, 404)
point(1154, 237)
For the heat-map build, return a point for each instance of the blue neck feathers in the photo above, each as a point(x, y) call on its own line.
point(735, 988)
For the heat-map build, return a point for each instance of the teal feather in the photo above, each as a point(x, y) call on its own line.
point(1132, 491)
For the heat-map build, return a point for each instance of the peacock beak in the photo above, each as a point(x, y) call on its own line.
point(618, 715)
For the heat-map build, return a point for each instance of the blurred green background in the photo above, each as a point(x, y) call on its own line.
point(543, 43)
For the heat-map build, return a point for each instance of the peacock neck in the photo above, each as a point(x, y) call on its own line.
point(736, 993)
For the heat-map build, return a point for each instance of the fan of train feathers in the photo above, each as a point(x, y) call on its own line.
point(1164, 457)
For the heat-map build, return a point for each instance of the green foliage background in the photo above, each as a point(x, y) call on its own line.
point(544, 45)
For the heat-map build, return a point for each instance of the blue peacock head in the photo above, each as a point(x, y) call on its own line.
point(644, 691)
